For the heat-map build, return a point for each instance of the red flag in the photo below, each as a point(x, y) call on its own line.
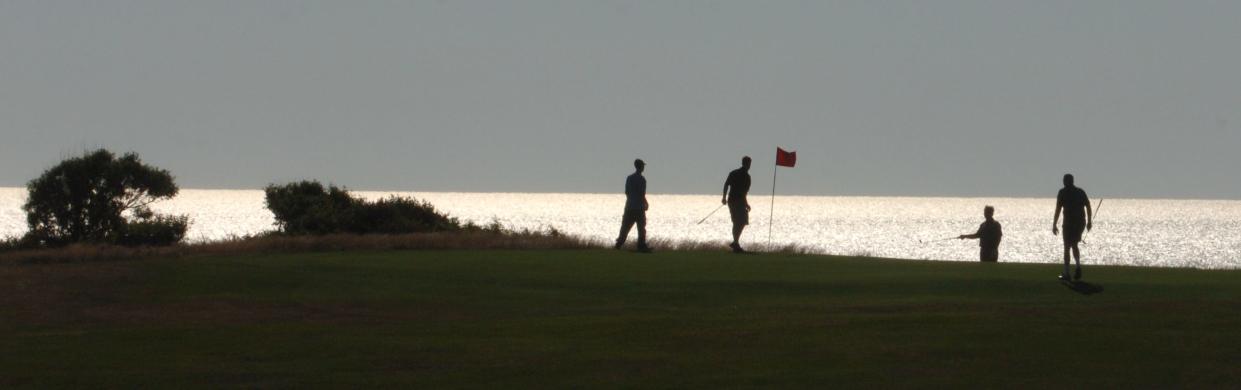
point(785, 159)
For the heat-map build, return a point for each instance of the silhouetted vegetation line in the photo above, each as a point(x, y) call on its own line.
point(491, 237)
point(306, 207)
point(606, 318)
point(101, 199)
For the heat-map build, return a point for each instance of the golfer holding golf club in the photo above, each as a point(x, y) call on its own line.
point(1077, 216)
point(735, 189)
point(988, 236)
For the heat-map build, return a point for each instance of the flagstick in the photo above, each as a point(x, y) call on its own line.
point(771, 213)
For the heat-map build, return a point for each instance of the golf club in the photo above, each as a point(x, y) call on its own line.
point(1094, 216)
point(709, 215)
point(942, 239)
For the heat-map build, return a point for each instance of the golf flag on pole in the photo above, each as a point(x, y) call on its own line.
point(785, 158)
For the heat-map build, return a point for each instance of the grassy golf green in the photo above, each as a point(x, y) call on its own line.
point(596, 318)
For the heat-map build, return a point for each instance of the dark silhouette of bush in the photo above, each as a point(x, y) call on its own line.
point(394, 214)
point(307, 207)
point(155, 230)
point(84, 199)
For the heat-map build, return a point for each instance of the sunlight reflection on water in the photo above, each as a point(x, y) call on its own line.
point(1166, 233)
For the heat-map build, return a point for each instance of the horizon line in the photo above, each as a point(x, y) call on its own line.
point(753, 195)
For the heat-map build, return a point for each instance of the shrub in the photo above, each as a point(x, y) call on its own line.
point(83, 199)
point(155, 230)
point(9, 244)
point(396, 214)
point(307, 207)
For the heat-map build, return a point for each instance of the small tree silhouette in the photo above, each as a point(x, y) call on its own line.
point(84, 199)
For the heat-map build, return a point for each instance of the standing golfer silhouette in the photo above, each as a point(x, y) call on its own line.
point(1077, 216)
point(735, 189)
point(988, 236)
point(635, 207)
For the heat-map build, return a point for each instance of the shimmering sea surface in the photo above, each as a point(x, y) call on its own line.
point(1145, 232)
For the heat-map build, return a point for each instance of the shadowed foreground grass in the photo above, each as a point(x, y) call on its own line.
point(590, 318)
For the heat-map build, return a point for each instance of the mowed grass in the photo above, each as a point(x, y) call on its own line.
point(596, 318)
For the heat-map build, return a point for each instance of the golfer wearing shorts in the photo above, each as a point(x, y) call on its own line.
point(735, 189)
point(1077, 217)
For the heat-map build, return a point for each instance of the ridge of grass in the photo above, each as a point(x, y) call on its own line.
point(487, 239)
point(603, 318)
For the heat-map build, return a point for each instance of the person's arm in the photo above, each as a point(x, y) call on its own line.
point(645, 205)
point(724, 198)
point(747, 199)
point(1055, 230)
point(976, 235)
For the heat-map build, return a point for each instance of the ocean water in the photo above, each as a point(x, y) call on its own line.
point(1143, 232)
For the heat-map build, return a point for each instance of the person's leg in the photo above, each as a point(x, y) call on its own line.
point(737, 229)
point(1073, 236)
point(626, 223)
point(641, 220)
point(741, 217)
point(734, 214)
point(1067, 249)
point(1077, 255)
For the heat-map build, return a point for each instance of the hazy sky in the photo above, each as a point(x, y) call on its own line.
point(970, 98)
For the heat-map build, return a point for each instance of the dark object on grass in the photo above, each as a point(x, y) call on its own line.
point(736, 248)
point(1080, 287)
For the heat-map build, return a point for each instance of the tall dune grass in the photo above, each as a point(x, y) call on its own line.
point(272, 243)
point(722, 245)
point(324, 243)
